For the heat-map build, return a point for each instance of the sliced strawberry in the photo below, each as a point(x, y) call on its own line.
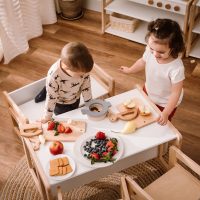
point(110, 144)
point(95, 156)
point(60, 128)
point(105, 153)
point(51, 125)
point(100, 135)
point(68, 130)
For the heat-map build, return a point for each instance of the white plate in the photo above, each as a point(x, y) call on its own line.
point(64, 177)
point(79, 151)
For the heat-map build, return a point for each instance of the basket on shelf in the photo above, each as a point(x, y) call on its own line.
point(123, 23)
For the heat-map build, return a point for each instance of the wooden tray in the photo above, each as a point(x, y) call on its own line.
point(140, 120)
point(78, 128)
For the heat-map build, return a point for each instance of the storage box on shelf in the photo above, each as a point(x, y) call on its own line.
point(145, 11)
point(193, 43)
point(123, 23)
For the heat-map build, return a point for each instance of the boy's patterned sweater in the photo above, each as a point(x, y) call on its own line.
point(64, 89)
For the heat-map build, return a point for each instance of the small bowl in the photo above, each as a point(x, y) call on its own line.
point(96, 109)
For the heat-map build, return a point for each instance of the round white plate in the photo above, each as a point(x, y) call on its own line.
point(64, 177)
point(79, 151)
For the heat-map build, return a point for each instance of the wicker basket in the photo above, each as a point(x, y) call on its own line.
point(123, 23)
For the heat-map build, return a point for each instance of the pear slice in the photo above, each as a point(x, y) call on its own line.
point(129, 127)
point(129, 103)
point(144, 110)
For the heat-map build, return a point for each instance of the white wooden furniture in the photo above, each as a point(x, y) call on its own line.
point(22, 99)
point(144, 144)
point(176, 183)
point(145, 11)
point(193, 43)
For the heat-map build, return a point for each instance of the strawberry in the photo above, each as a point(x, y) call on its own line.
point(60, 128)
point(100, 135)
point(110, 144)
point(105, 153)
point(68, 130)
point(51, 125)
point(95, 156)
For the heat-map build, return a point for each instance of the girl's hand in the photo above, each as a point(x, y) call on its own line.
point(124, 69)
point(163, 118)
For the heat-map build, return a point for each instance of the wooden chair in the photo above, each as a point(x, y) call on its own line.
point(176, 183)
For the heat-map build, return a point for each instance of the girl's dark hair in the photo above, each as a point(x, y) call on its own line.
point(77, 57)
point(167, 31)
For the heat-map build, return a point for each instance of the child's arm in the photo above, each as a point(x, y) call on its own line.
point(174, 97)
point(51, 99)
point(139, 65)
point(86, 89)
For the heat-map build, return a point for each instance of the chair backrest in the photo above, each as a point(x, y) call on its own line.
point(18, 118)
point(177, 174)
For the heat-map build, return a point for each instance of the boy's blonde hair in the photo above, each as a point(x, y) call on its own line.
point(76, 57)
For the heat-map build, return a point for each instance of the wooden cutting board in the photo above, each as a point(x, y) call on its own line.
point(78, 128)
point(140, 120)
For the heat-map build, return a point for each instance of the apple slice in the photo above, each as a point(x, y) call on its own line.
point(129, 127)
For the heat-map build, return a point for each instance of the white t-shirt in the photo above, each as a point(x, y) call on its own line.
point(160, 77)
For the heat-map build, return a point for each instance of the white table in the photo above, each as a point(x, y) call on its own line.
point(138, 147)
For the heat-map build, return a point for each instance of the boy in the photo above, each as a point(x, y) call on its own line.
point(67, 79)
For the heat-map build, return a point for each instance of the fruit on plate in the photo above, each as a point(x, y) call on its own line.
point(56, 147)
point(101, 148)
point(144, 110)
point(129, 104)
point(60, 128)
point(100, 135)
point(129, 127)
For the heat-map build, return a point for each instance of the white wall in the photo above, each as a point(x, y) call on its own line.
point(92, 5)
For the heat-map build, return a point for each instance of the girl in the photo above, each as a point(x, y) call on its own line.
point(164, 70)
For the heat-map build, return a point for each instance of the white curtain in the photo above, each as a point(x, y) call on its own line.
point(21, 20)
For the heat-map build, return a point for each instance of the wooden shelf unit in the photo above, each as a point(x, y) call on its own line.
point(142, 12)
point(193, 43)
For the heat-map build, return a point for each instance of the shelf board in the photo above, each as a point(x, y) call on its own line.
point(195, 50)
point(142, 12)
point(138, 35)
point(196, 28)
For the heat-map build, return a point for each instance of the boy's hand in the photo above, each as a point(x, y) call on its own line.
point(43, 120)
point(124, 69)
point(163, 118)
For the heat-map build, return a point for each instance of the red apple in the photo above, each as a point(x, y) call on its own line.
point(56, 147)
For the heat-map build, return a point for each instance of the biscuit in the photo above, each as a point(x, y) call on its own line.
point(60, 162)
point(65, 161)
point(60, 171)
point(54, 163)
point(64, 170)
point(69, 169)
point(53, 171)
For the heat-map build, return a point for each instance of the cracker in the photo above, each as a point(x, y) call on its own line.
point(65, 161)
point(69, 168)
point(53, 171)
point(64, 170)
point(60, 162)
point(54, 163)
point(60, 171)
